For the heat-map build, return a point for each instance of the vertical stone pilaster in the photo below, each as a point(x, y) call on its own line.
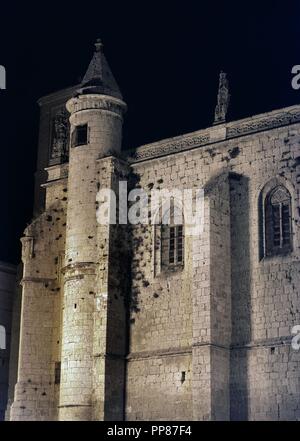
point(110, 314)
point(211, 307)
point(15, 340)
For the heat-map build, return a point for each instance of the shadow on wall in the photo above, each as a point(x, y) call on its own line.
point(241, 301)
point(2, 338)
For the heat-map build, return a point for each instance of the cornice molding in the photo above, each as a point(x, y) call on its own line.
point(232, 130)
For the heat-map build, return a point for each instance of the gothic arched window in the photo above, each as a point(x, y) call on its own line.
point(278, 225)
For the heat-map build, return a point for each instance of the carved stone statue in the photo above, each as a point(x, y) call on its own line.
point(60, 138)
point(223, 99)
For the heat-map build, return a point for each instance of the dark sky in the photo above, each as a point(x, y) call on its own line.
point(166, 57)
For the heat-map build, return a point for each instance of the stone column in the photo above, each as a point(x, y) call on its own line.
point(103, 117)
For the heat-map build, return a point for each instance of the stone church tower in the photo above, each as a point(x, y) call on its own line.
point(145, 322)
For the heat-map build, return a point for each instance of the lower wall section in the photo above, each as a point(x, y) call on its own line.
point(265, 383)
point(159, 387)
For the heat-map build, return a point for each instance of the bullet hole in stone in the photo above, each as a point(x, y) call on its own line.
point(64, 199)
point(35, 388)
point(56, 260)
point(272, 350)
point(65, 190)
point(70, 260)
point(49, 219)
point(22, 407)
point(44, 394)
point(150, 186)
point(46, 285)
point(160, 181)
point(98, 185)
point(58, 218)
point(57, 342)
point(29, 381)
point(132, 320)
point(211, 152)
point(155, 295)
point(234, 152)
point(64, 224)
point(146, 283)
point(37, 271)
point(182, 377)
point(75, 305)
point(90, 237)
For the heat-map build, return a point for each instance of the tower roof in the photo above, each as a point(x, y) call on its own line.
point(98, 77)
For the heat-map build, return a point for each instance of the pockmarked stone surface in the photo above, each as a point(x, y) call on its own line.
point(111, 328)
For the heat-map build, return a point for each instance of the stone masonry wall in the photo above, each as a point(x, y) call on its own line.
point(36, 391)
point(210, 341)
point(265, 293)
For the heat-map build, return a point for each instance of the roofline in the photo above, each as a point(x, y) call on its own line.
point(57, 95)
point(216, 133)
point(226, 124)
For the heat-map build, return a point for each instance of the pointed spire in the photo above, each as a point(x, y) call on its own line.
point(223, 99)
point(98, 77)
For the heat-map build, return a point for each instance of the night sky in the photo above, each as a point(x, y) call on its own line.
point(166, 57)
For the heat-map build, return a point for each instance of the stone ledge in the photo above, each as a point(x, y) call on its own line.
point(159, 353)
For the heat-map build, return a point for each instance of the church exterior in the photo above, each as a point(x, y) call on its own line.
point(147, 322)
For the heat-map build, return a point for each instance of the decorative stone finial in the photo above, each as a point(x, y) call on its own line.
point(98, 45)
point(223, 99)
